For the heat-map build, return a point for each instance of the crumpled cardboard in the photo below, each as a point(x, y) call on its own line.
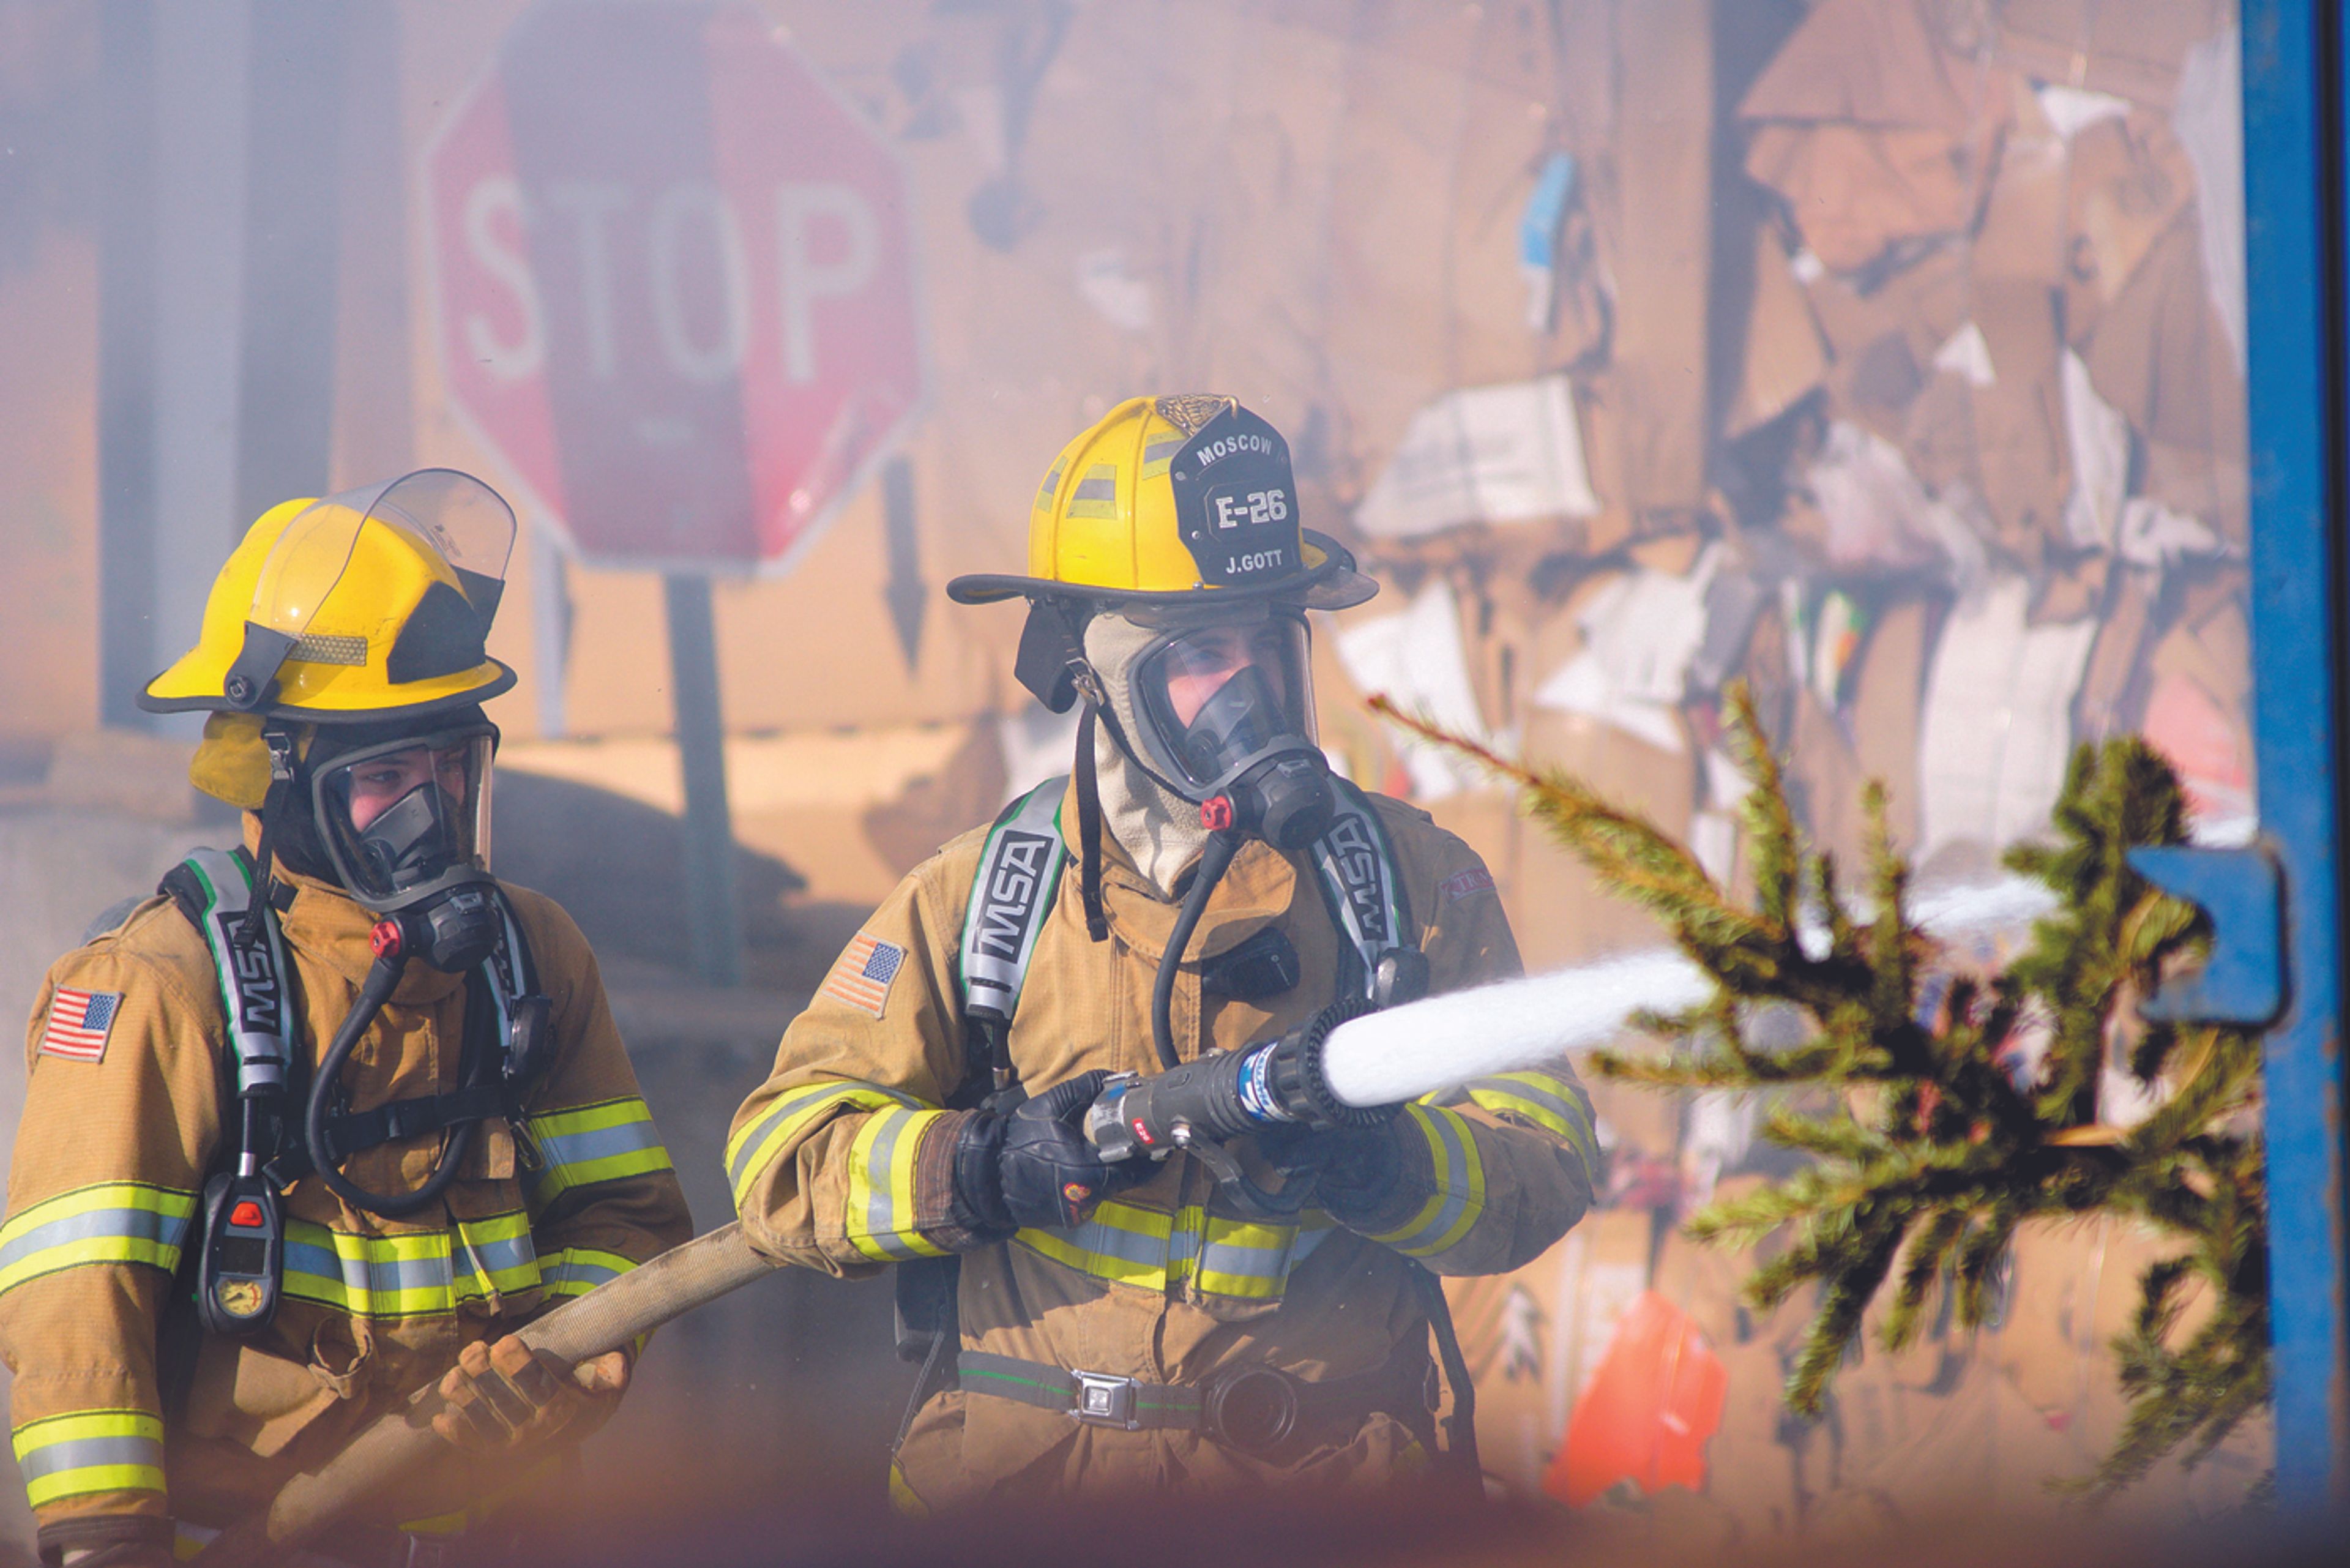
point(1873, 132)
point(1664, 151)
point(2163, 360)
point(2021, 452)
point(2026, 215)
point(2121, 46)
point(1783, 356)
point(2129, 183)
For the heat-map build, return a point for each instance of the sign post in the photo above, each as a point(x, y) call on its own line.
point(674, 293)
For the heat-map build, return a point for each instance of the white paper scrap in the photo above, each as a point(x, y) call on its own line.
point(2209, 119)
point(1639, 633)
point(1415, 658)
point(1998, 726)
point(2098, 437)
point(2072, 110)
point(1967, 355)
point(1117, 296)
point(1484, 454)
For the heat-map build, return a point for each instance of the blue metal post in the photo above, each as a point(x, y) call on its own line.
point(2295, 242)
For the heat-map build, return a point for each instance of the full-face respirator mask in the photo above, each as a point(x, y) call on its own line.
point(406, 824)
point(1223, 712)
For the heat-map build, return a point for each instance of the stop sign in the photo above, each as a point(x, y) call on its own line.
point(673, 282)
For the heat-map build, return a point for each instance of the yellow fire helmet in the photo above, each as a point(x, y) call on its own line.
point(1174, 499)
point(369, 606)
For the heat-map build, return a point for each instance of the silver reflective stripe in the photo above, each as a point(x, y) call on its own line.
point(496, 1257)
point(1127, 1246)
point(374, 1276)
point(134, 1224)
point(252, 983)
point(571, 1271)
point(883, 1223)
point(1091, 488)
point(1519, 1085)
point(1359, 880)
point(1011, 896)
point(84, 1453)
point(596, 1143)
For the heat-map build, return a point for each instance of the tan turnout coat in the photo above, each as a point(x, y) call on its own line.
point(110, 1160)
point(836, 1163)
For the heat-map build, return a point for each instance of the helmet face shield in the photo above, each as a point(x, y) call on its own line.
point(1214, 698)
point(406, 818)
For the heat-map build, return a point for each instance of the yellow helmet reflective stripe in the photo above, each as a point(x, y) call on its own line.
point(356, 608)
point(1129, 511)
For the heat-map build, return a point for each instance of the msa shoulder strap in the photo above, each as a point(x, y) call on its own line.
point(1365, 894)
point(214, 889)
point(1011, 897)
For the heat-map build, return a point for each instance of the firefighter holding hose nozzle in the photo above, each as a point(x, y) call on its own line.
point(1233, 1287)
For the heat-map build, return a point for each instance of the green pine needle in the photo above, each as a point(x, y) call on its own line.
point(1926, 1156)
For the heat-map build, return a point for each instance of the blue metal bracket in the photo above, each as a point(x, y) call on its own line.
point(2243, 981)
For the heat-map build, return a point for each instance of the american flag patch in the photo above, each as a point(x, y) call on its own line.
point(78, 1023)
point(861, 975)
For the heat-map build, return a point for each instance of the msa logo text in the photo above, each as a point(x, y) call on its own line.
point(1358, 859)
point(1011, 892)
point(256, 984)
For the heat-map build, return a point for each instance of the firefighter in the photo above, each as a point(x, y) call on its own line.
point(326, 1120)
point(1251, 1314)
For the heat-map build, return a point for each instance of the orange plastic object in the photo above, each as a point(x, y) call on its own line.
point(1649, 1411)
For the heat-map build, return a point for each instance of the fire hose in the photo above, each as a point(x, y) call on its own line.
point(1332, 1071)
point(1310, 1075)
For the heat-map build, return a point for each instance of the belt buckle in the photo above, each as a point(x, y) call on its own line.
point(1104, 1400)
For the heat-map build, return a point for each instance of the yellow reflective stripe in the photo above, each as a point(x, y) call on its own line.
point(1459, 1195)
point(411, 1274)
point(904, 1501)
point(880, 1215)
point(576, 1271)
point(1045, 492)
point(109, 1222)
point(501, 1258)
point(1244, 1257)
point(1157, 456)
point(602, 1142)
point(1555, 1105)
point(1152, 1251)
point(87, 1451)
point(1096, 495)
point(757, 1144)
point(1121, 1243)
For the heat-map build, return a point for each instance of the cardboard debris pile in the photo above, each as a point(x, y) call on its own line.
point(1948, 461)
point(1955, 476)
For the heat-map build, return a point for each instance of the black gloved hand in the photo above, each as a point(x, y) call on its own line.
point(1033, 1167)
point(1355, 1169)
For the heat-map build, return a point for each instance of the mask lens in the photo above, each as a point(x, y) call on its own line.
point(1218, 695)
point(399, 817)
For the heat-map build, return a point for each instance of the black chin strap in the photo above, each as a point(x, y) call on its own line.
point(280, 743)
point(1090, 873)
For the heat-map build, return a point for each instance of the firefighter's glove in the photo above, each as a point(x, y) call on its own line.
point(1354, 1169)
point(505, 1396)
point(1033, 1167)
